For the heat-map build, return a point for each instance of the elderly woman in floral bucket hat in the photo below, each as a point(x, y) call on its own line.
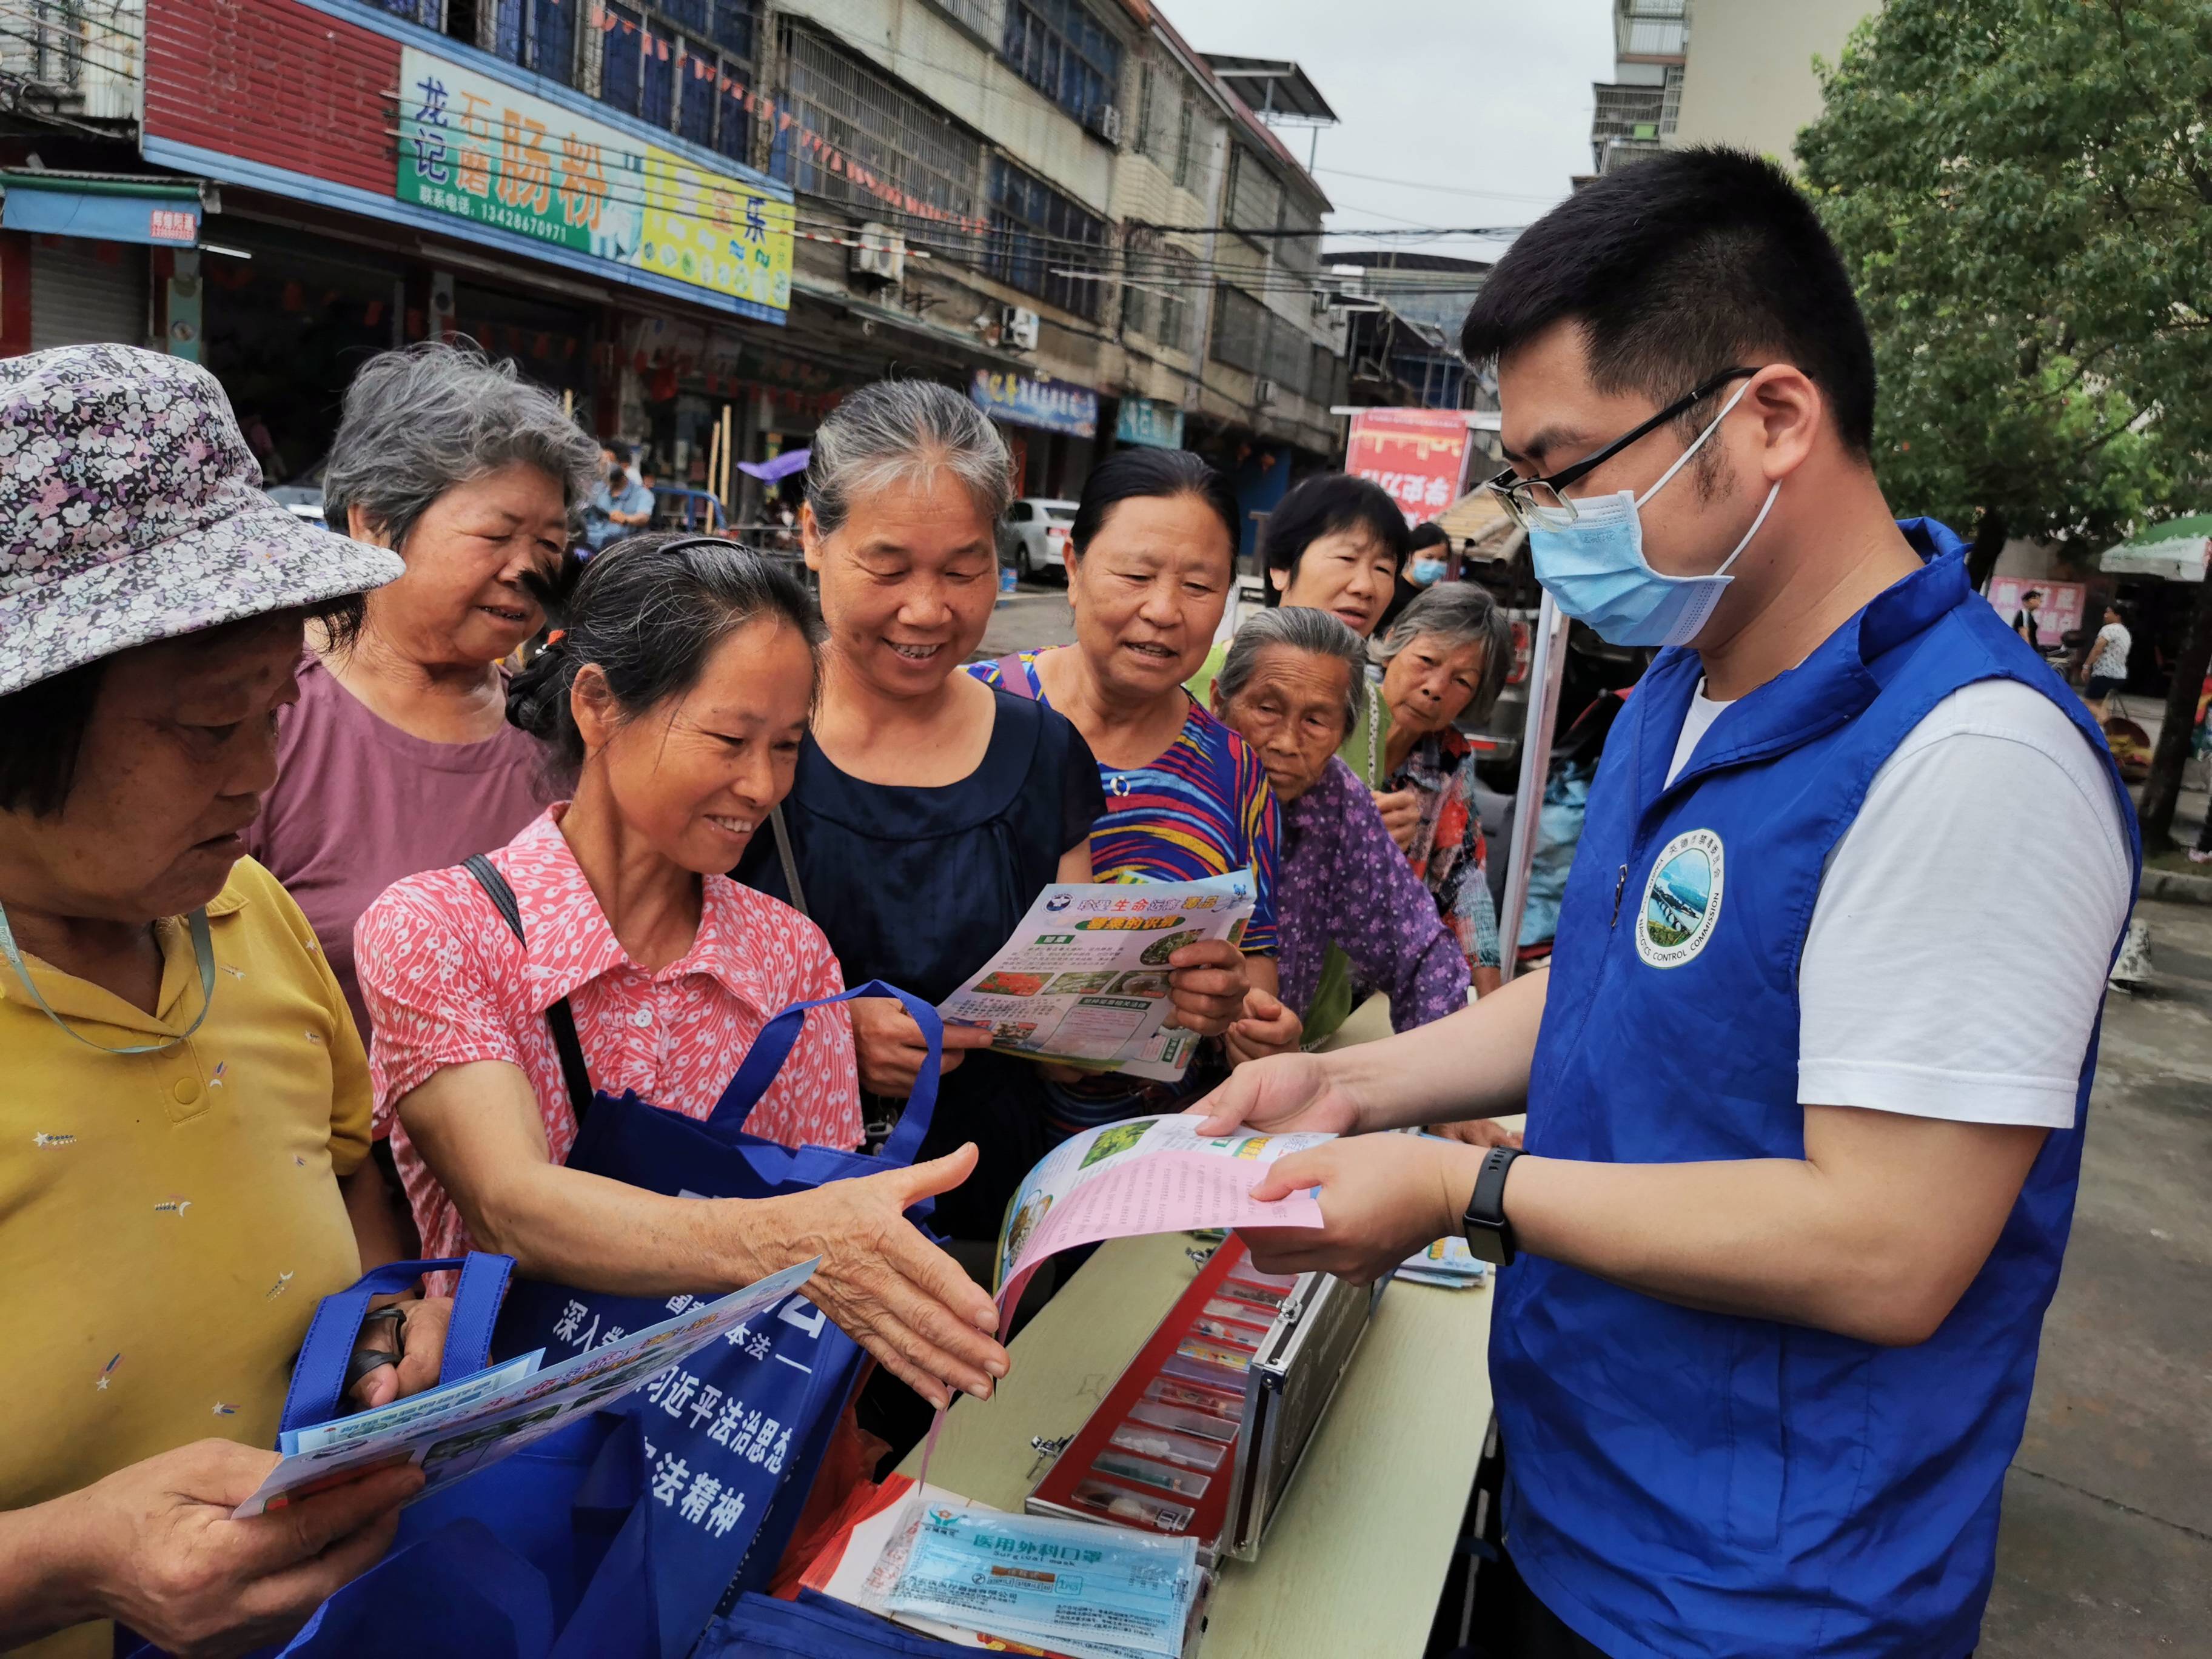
point(187, 1102)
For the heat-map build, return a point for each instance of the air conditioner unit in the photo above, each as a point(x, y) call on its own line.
point(881, 256)
point(1263, 391)
point(1106, 122)
point(1017, 329)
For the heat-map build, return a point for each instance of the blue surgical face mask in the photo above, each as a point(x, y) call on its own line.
point(1595, 571)
point(1425, 573)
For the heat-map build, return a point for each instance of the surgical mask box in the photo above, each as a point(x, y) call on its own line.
point(1202, 1435)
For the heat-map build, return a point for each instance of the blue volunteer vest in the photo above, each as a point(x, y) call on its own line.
point(1683, 1482)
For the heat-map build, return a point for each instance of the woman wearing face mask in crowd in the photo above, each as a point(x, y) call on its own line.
point(926, 812)
point(1149, 560)
point(1428, 552)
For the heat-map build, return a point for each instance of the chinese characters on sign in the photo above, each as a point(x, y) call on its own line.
point(174, 225)
point(1417, 455)
point(1052, 405)
point(1153, 424)
point(474, 148)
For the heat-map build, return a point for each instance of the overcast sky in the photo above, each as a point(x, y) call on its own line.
point(1490, 98)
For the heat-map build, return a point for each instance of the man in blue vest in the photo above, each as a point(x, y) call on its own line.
point(1806, 1077)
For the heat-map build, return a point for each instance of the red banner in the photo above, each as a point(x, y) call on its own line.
point(1417, 455)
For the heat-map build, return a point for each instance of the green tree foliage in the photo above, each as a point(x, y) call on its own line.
point(2023, 189)
point(2023, 192)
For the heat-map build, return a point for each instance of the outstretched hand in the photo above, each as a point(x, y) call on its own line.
point(1382, 1198)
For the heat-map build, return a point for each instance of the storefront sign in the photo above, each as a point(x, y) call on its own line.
point(478, 149)
point(1154, 425)
point(1417, 455)
point(2060, 612)
point(1050, 405)
point(103, 210)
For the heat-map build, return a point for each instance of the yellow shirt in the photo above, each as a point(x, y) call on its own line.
point(168, 1220)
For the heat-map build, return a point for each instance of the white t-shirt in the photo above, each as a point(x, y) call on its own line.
point(1959, 947)
point(2113, 641)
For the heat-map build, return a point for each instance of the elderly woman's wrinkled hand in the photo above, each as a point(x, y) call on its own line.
point(1206, 983)
point(1402, 815)
point(421, 1352)
point(1270, 1026)
point(888, 1287)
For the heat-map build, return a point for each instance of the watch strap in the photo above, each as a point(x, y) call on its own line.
point(1485, 1221)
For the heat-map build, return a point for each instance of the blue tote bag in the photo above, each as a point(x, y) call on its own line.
point(732, 1436)
point(541, 1556)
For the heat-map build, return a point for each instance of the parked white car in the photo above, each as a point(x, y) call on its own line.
point(1033, 536)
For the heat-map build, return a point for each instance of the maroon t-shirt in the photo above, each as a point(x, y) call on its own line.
point(358, 804)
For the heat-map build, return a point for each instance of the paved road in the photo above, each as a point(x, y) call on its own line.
point(1035, 617)
point(2105, 1547)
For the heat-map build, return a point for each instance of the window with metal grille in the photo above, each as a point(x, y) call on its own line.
point(1288, 356)
point(1063, 51)
point(905, 144)
point(1186, 130)
point(1255, 198)
point(1156, 302)
point(1300, 251)
point(681, 64)
point(1043, 243)
point(1240, 329)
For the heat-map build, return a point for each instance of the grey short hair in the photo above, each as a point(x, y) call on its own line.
point(895, 431)
point(420, 421)
point(1300, 629)
point(1459, 613)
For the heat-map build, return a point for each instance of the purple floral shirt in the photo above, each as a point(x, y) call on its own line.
point(1342, 879)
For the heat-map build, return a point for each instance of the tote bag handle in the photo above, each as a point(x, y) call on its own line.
point(765, 1059)
point(320, 1376)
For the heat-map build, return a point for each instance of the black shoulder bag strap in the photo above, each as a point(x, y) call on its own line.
point(559, 1015)
point(790, 864)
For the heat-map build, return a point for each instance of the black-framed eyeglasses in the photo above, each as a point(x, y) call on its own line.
point(1535, 502)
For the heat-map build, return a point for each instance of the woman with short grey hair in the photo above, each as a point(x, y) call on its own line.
point(1444, 660)
point(398, 756)
point(928, 811)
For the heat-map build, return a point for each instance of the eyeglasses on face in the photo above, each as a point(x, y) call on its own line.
point(1535, 503)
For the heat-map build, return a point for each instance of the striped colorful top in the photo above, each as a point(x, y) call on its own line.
point(1202, 808)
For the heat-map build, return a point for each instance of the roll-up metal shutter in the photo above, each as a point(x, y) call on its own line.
point(80, 298)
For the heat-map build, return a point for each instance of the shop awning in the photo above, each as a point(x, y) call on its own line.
point(1480, 525)
point(2178, 551)
point(161, 212)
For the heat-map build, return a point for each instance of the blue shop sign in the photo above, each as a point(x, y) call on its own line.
point(1053, 405)
point(1145, 421)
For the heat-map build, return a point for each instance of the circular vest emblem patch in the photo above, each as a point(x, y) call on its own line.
point(1681, 900)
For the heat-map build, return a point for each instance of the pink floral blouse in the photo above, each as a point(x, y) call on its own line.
point(446, 984)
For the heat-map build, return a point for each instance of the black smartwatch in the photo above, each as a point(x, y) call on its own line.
point(1489, 1234)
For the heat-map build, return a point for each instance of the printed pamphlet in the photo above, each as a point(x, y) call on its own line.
point(1084, 981)
point(469, 1429)
point(1144, 1174)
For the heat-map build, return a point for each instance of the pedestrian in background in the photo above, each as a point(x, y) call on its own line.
point(618, 505)
point(2108, 658)
point(1444, 660)
point(926, 812)
point(187, 1109)
point(1150, 557)
point(2024, 619)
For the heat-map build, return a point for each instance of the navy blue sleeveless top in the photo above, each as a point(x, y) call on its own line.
point(919, 886)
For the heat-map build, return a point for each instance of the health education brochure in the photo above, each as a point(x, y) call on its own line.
point(1144, 1174)
point(454, 1431)
point(1084, 981)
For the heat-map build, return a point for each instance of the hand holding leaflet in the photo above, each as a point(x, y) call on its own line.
point(1084, 979)
point(455, 1430)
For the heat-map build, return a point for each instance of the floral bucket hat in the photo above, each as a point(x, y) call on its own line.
point(131, 510)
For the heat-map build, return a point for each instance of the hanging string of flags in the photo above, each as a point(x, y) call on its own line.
point(826, 155)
